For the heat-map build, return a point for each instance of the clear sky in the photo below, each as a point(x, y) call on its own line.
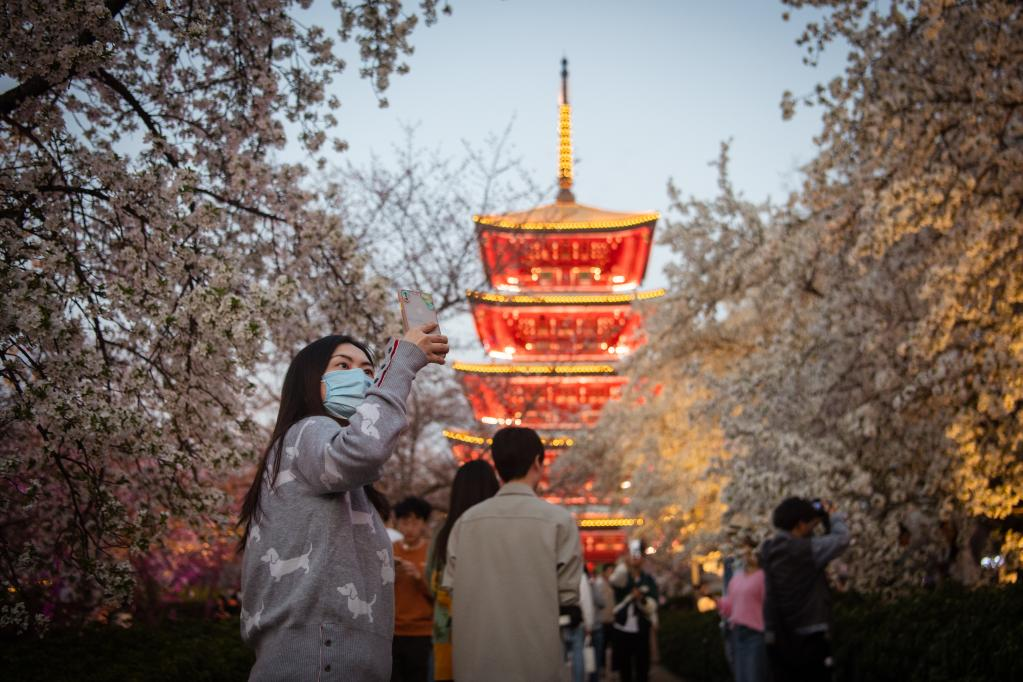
point(655, 86)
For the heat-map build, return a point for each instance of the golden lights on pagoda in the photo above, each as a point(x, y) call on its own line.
point(563, 311)
point(563, 299)
point(514, 222)
point(565, 146)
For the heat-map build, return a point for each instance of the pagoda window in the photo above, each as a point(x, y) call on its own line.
point(584, 276)
point(547, 276)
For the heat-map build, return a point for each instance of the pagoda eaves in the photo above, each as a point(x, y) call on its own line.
point(580, 327)
point(567, 256)
point(547, 397)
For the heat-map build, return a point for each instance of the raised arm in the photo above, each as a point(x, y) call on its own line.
point(827, 547)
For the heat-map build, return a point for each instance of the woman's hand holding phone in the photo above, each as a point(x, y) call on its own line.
point(434, 345)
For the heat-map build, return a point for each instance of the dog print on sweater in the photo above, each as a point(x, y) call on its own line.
point(357, 606)
point(331, 474)
point(285, 475)
point(281, 567)
point(370, 414)
point(251, 620)
point(387, 568)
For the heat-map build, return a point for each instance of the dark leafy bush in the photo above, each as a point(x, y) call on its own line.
point(192, 650)
point(691, 645)
point(949, 634)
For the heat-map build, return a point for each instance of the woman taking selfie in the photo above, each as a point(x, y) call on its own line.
point(317, 574)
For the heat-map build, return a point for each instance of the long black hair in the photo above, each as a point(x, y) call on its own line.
point(300, 398)
point(474, 482)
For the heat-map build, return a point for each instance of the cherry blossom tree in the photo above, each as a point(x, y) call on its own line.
point(862, 342)
point(922, 152)
point(156, 255)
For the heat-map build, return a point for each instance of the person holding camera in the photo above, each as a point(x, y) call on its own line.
point(797, 604)
point(635, 615)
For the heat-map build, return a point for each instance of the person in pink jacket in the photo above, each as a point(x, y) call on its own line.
point(743, 607)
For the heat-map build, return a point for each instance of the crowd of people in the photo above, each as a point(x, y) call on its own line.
point(502, 592)
point(499, 591)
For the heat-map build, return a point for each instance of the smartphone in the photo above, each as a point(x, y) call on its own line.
point(417, 309)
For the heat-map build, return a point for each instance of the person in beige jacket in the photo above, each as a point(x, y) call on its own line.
point(513, 561)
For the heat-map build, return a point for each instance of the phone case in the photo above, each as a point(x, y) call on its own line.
point(417, 309)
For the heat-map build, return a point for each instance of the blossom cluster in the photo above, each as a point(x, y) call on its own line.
point(156, 259)
point(863, 342)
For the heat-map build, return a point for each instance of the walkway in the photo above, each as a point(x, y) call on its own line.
point(659, 674)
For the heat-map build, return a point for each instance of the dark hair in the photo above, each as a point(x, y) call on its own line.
point(791, 511)
point(514, 450)
point(300, 398)
point(413, 506)
point(474, 482)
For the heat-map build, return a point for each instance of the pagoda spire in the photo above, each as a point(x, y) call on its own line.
point(565, 195)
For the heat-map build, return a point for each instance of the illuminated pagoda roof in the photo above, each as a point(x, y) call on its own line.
point(543, 397)
point(580, 299)
point(565, 245)
point(470, 446)
point(565, 217)
point(567, 261)
point(586, 327)
point(473, 440)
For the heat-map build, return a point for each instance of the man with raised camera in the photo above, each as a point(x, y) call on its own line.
point(797, 604)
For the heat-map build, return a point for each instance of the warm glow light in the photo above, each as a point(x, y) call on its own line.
point(626, 485)
point(609, 523)
point(471, 439)
point(565, 146)
point(541, 370)
point(505, 223)
point(563, 299)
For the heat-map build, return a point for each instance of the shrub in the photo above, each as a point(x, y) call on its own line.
point(948, 634)
point(691, 645)
point(193, 650)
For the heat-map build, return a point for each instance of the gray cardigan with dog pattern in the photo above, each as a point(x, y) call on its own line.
point(317, 574)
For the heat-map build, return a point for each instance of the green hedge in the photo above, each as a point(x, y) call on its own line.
point(190, 650)
point(690, 645)
point(949, 634)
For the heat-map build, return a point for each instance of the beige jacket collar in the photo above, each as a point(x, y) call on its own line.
point(516, 488)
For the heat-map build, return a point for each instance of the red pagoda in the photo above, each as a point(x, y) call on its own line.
point(565, 279)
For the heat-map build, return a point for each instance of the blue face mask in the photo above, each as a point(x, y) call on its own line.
point(346, 390)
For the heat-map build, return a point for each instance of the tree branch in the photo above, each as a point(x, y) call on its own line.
point(37, 85)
